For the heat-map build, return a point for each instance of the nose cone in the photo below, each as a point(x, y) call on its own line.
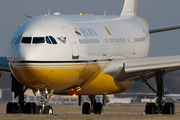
point(41, 26)
point(35, 27)
point(27, 52)
point(30, 52)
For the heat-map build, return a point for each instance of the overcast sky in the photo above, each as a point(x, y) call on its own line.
point(157, 12)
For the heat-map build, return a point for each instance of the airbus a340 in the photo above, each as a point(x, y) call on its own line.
point(85, 55)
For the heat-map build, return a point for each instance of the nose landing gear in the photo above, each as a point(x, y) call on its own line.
point(30, 107)
point(43, 108)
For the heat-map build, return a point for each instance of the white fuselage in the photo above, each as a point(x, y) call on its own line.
point(79, 38)
point(129, 38)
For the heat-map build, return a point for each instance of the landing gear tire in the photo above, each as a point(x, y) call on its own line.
point(159, 107)
point(169, 108)
point(12, 107)
point(30, 108)
point(98, 108)
point(48, 110)
point(150, 108)
point(86, 108)
point(38, 109)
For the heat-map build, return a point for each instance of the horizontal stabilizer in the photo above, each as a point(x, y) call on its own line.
point(163, 29)
point(166, 90)
point(29, 16)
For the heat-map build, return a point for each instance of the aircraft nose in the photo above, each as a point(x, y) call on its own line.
point(30, 52)
point(26, 53)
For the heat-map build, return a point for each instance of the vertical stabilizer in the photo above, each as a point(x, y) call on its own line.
point(130, 8)
point(166, 92)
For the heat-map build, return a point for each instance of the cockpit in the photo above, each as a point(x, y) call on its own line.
point(34, 40)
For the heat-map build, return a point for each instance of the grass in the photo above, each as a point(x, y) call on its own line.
point(74, 113)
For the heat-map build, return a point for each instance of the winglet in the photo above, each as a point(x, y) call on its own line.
point(130, 8)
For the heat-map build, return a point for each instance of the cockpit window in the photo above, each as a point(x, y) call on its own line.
point(18, 40)
point(12, 41)
point(37, 40)
point(53, 40)
point(48, 40)
point(26, 40)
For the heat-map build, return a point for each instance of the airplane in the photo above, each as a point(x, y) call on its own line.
point(167, 95)
point(170, 96)
point(85, 55)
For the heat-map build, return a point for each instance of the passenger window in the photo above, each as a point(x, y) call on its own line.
point(26, 40)
point(37, 40)
point(53, 40)
point(48, 40)
point(18, 40)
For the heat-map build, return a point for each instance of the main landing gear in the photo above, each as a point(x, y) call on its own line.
point(159, 107)
point(94, 107)
point(30, 107)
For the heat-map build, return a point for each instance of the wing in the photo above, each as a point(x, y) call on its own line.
point(4, 64)
point(122, 69)
point(163, 29)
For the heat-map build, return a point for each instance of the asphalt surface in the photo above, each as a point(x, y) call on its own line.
point(74, 113)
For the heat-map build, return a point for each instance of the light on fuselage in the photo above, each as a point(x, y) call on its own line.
point(46, 91)
point(80, 13)
point(38, 91)
point(74, 95)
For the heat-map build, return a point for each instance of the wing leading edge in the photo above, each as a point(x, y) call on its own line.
point(139, 68)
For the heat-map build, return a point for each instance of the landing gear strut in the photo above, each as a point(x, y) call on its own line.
point(43, 107)
point(160, 90)
point(20, 106)
point(95, 107)
point(159, 107)
point(28, 108)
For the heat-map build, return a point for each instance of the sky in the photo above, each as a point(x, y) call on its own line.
point(158, 13)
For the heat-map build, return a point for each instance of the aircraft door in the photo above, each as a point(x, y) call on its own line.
point(130, 40)
point(70, 36)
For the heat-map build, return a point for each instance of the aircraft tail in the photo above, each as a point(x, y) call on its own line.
point(166, 90)
point(130, 8)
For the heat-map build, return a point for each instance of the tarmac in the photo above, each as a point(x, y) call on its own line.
point(73, 112)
